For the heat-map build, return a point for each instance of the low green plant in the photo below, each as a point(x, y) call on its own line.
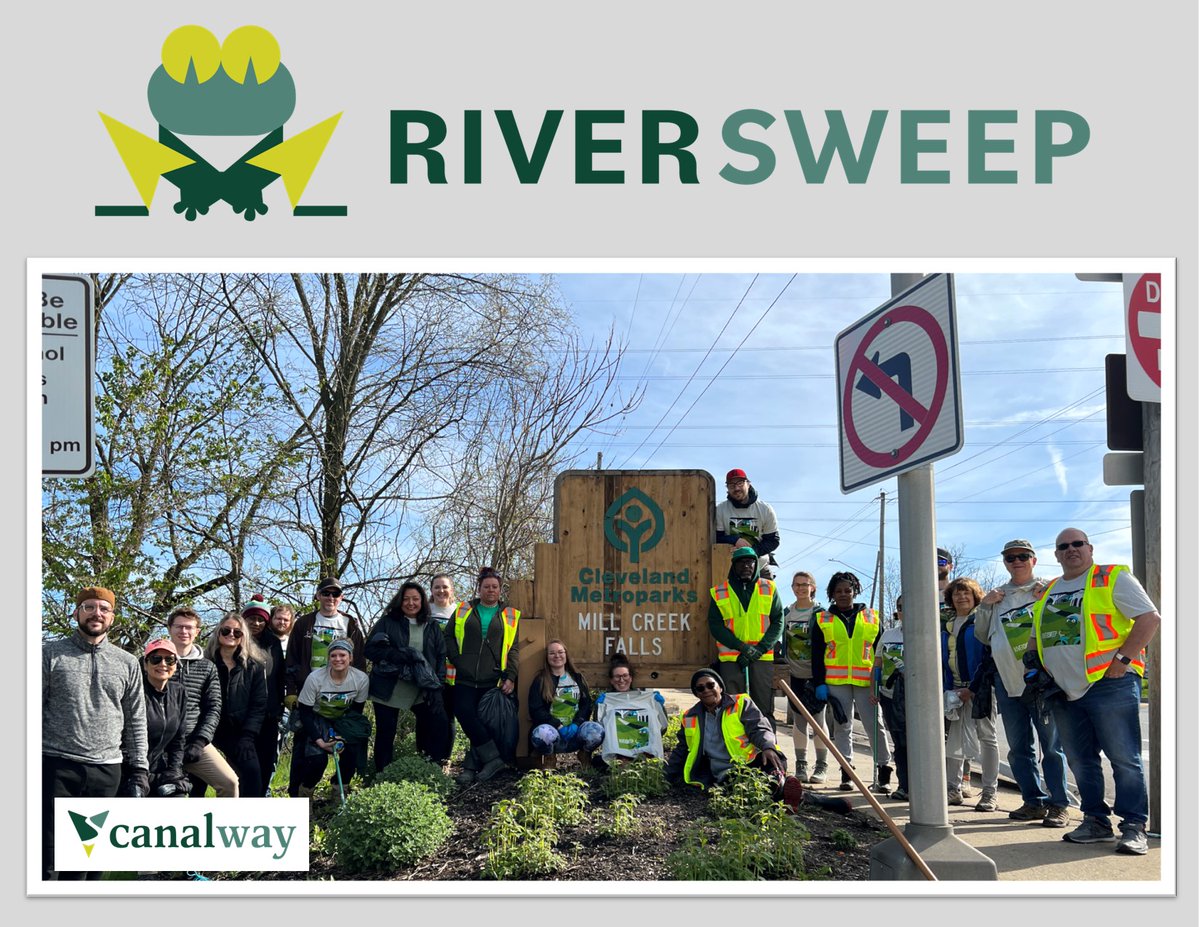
point(552, 798)
point(387, 826)
point(418, 769)
point(766, 845)
point(642, 777)
point(621, 820)
point(515, 848)
point(843, 839)
point(743, 793)
point(670, 736)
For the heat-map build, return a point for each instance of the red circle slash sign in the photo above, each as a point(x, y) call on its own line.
point(1146, 297)
point(925, 417)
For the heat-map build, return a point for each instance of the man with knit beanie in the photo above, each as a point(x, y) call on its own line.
point(93, 719)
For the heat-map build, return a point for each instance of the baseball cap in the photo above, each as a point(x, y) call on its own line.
point(1018, 544)
point(736, 475)
point(944, 554)
point(160, 643)
point(329, 582)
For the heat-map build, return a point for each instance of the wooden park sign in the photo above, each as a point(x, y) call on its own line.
point(629, 572)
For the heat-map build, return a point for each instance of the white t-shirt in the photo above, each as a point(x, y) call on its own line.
point(1062, 635)
point(331, 699)
point(633, 723)
point(326, 629)
point(1008, 624)
point(750, 523)
point(443, 613)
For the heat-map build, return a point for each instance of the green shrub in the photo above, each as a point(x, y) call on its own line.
point(552, 798)
point(388, 826)
point(766, 845)
point(515, 848)
point(843, 839)
point(621, 819)
point(670, 736)
point(642, 777)
point(744, 793)
point(418, 769)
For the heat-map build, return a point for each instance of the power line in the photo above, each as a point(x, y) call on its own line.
point(829, 376)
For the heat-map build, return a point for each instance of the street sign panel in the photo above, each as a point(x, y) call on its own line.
point(1143, 335)
point(68, 372)
point(899, 396)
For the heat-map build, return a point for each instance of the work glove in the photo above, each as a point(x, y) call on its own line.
point(289, 702)
point(752, 652)
point(600, 699)
point(568, 731)
point(245, 751)
point(742, 660)
point(822, 692)
point(138, 783)
point(877, 675)
point(658, 698)
point(193, 752)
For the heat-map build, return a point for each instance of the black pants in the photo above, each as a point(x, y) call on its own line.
point(248, 773)
point(431, 733)
point(893, 717)
point(313, 760)
point(448, 704)
point(266, 745)
point(62, 778)
point(466, 709)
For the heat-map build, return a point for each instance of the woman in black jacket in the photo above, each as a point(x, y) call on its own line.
point(166, 708)
point(267, 743)
point(407, 652)
point(243, 699)
point(560, 706)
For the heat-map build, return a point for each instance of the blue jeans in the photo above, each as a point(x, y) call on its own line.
point(1107, 719)
point(545, 738)
point(1020, 723)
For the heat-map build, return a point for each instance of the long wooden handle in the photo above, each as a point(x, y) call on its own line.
point(849, 770)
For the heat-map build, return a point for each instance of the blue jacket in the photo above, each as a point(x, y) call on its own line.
point(974, 664)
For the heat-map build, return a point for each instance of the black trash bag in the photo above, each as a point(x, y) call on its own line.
point(498, 712)
point(839, 713)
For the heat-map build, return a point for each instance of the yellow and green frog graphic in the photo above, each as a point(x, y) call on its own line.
point(204, 93)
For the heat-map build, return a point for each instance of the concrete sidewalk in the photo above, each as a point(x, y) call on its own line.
point(1022, 851)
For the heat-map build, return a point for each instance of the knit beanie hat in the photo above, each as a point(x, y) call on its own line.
point(95, 592)
point(701, 673)
point(257, 604)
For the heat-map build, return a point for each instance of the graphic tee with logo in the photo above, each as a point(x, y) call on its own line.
point(633, 723)
point(325, 631)
point(890, 649)
point(331, 699)
point(797, 640)
point(566, 699)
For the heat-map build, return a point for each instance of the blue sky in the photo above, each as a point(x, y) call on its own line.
point(762, 396)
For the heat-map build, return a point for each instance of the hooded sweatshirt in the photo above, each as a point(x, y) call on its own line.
point(744, 589)
point(753, 520)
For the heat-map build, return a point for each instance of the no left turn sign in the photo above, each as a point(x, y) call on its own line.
point(899, 397)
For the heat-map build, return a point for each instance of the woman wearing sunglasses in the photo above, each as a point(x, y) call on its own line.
point(242, 672)
point(165, 707)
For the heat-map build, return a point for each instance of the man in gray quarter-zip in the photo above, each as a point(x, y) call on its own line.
point(93, 718)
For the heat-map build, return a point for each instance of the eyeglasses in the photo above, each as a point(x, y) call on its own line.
point(704, 687)
point(168, 658)
point(231, 632)
point(620, 677)
point(1067, 544)
point(733, 483)
point(103, 607)
point(1013, 558)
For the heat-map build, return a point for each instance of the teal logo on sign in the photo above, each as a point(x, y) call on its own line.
point(633, 524)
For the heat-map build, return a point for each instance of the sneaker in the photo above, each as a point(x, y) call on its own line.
point(954, 797)
point(1028, 812)
point(847, 785)
point(1092, 830)
point(966, 789)
point(900, 795)
point(802, 770)
point(883, 781)
point(793, 792)
point(819, 774)
point(987, 801)
point(1056, 816)
point(1133, 839)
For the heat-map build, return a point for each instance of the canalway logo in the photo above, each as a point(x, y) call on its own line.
point(633, 524)
point(249, 835)
point(88, 828)
point(210, 92)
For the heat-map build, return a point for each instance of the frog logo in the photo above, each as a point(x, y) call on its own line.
point(88, 829)
point(208, 92)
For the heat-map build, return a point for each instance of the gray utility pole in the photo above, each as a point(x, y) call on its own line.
point(1152, 449)
point(929, 830)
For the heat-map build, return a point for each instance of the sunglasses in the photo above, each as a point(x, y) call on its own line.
point(168, 658)
point(942, 561)
point(1013, 558)
point(231, 632)
point(332, 593)
point(1067, 544)
point(704, 687)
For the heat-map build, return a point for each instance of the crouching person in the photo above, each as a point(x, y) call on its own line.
point(560, 705)
point(719, 732)
point(331, 713)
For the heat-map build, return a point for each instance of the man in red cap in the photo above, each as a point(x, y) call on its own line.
point(744, 520)
point(93, 718)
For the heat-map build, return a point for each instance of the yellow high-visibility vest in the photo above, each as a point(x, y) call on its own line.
point(737, 741)
point(510, 616)
point(748, 624)
point(849, 658)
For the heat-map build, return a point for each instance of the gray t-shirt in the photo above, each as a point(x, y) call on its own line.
point(331, 699)
point(1062, 634)
point(797, 640)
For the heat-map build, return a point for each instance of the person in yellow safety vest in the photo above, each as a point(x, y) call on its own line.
point(481, 654)
point(745, 618)
point(1091, 628)
point(843, 649)
point(718, 732)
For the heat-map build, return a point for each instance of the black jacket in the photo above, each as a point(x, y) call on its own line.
point(392, 658)
point(478, 663)
point(203, 685)
point(276, 673)
point(299, 651)
point(166, 714)
point(244, 694)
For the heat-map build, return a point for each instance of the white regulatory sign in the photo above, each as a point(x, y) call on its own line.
point(68, 374)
